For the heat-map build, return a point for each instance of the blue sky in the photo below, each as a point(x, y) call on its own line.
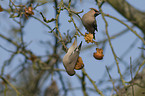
point(35, 31)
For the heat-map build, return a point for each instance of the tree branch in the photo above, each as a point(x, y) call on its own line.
point(129, 12)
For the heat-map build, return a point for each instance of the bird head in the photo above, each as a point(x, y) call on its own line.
point(96, 12)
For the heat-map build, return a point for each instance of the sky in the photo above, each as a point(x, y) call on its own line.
point(35, 31)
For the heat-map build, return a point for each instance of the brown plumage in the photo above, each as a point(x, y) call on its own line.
point(89, 21)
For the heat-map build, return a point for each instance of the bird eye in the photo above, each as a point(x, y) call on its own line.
point(96, 11)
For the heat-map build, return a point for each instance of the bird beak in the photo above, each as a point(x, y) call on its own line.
point(97, 13)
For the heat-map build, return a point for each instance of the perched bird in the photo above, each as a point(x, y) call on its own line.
point(89, 21)
point(71, 57)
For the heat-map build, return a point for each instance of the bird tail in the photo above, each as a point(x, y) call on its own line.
point(79, 47)
point(94, 35)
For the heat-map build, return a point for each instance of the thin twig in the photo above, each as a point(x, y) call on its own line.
point(96, 88)
point(140, 66)
point(47, 21)
point(14, 5)
point(6, 81)
point(6, 49)
point(114, 54)
point(42, 22)
point(9, 40)
point(126, 26)
point(84, 84)
point(56, 41)
point(111, 80)
point(131, 77)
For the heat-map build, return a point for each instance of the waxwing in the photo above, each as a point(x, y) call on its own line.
point(89, 21)
point(71, 57)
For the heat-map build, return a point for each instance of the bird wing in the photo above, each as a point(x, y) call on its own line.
point(75, 54)
point(69, 65)
point(95, 25)
point(73, 57)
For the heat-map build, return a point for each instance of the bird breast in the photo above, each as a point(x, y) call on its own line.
point(88, 23)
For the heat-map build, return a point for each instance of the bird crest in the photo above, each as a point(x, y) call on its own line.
point(94, 9)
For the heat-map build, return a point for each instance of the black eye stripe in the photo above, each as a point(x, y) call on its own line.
point(95, 10)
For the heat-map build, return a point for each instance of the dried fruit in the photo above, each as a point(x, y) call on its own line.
point(79, 65)
point(1, 9)
point(28, 11)
point(99, 54)
point(88, 37)
point(33, 58)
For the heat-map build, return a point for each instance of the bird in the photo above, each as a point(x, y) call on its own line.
point(71, 57)
point(89, 21)
point(52, 90)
